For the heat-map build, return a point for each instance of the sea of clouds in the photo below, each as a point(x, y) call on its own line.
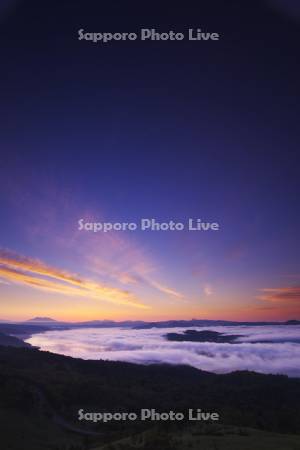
point(279, 353)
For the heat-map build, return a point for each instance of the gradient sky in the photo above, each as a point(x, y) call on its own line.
point(132, 130)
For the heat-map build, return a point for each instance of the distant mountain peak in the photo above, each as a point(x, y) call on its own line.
point(41, 319)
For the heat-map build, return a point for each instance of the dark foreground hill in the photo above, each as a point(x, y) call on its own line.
point(41, 393)
point(12, 341)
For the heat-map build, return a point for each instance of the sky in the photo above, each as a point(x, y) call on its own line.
point(127, 130)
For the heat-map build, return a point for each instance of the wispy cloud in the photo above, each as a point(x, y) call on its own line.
point(285, 295)
point(208, 290)
point(36, 274)
point(112, 258)
point(140, 271)
point(165, 289)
